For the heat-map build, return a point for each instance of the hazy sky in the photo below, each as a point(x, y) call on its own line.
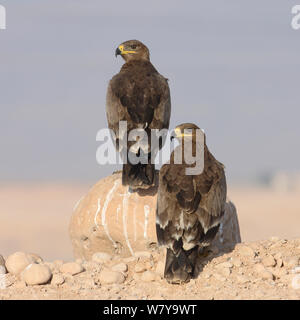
point(233, 69)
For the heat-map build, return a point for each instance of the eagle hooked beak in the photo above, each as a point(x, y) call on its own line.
point(175, 134)
point(118, 52)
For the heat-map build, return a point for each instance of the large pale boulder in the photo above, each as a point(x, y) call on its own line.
point(111, 219)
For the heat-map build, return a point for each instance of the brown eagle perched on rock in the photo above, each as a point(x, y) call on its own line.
point(189, 208)
point(139, 95)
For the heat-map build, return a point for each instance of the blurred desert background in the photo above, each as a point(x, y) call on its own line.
point(232, 69)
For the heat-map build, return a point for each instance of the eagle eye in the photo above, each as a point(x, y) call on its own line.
point(133, 46)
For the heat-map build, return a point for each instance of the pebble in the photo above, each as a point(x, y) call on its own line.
point(71, 268)
point(101, 257)
point(140, 267)
point(17, 262)
point(296, 270)
point(278, 273)
point(110, 277)
point(291, 262)
point(121, 267)
point(278, 255)
point(57, 279)
point(237, 262)
point(279, 262)
point(149, 276)
point(269, 261)
point(37, 258)
point(225, 264)
point(35, 274)
point(246, 251)
point(263, 272)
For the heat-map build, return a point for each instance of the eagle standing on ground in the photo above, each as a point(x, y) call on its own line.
point(139, 95)
point(189, 209)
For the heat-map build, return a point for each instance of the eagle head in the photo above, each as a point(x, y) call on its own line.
point(133, 50)
point(186, 131)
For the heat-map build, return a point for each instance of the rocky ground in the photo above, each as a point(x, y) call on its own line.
point(267, 269)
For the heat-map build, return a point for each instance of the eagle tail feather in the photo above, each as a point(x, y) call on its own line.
point(179, 268)
point(138, 175)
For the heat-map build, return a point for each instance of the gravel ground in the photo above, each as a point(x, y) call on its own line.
point(259, 270)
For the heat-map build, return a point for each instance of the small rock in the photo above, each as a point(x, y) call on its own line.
point(110, 277)
point(225, 264)
point(246, 251)
point(121, 267)
point(71, 268)
point(101, 257)
point(145, 254)
point(279, 273)
point(279, 262)
point(140, 267)
point(149, 276)
point(296, 270)
point(237, 262)
point(36, 258)
point(57, 279)
point(269, 261)
point(259, 268)
point(17, 262)
point(278, 255)
point(225, 271)
point(35, 274)
point(262, 272)
point(291, 262)
point(160, 269)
